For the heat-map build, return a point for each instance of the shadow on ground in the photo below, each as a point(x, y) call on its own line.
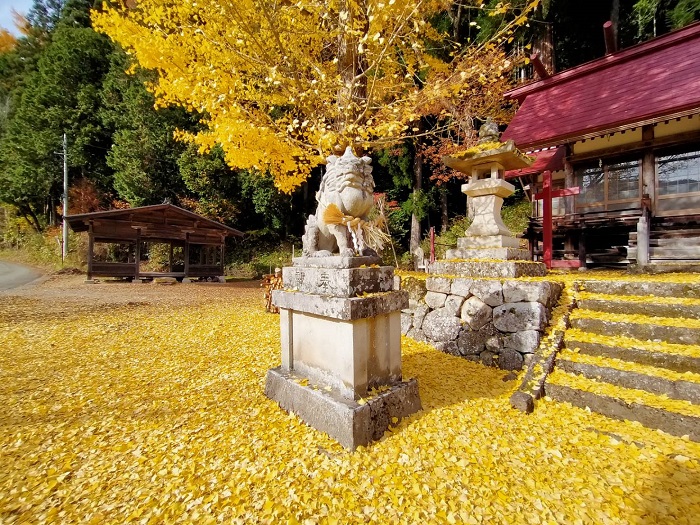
point(445, 380)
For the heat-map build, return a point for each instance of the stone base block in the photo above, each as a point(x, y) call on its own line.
point(505, 269)
point(339, 282)
point(336, 261)
point(504, 254)
point(487, 241)
point(164, 280)
point(343, 308)
point(345, 420)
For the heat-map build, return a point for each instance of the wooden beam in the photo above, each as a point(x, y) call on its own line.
point(565, 264)
point(566, 192)
point(546, 196)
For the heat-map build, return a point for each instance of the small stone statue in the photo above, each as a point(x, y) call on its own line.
point(346, 194)
point(488, 132)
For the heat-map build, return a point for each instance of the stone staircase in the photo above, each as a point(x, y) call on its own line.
point(669, 244)
point(633, 352)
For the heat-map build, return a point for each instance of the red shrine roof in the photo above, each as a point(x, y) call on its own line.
point(547, 160)
point(650, 82)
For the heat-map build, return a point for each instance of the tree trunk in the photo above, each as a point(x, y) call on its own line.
point(615, 17)
point(456, 19)
point(417, 187)
point(544, 47)
point(353, 92)
point(30, 217)
point(444, 218)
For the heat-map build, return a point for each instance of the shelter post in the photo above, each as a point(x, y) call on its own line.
point(187, 255)
point(223, 251)
point(137, 254)
point(91, 249)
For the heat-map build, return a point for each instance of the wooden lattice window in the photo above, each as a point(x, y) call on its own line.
point(678, 172)
point(608, 184)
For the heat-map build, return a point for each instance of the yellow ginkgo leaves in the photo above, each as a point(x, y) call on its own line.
point(154, 412)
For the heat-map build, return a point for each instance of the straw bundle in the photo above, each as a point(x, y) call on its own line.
point(364, 233)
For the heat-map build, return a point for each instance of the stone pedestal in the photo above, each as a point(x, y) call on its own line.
point(340, 323)
point(488, 248)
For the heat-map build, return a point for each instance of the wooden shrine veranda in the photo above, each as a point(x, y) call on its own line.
point(200, 241)
point(617, 148)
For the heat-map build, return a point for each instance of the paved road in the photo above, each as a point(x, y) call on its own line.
point(14, 275)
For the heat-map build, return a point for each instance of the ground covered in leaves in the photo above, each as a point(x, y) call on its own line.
point(145, 403)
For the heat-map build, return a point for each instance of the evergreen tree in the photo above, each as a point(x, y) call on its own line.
point(60, 96)
point(144, 154)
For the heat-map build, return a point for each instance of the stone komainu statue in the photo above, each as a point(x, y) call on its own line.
point(347, 184)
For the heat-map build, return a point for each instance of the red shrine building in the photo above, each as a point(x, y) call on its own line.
point(617, 148)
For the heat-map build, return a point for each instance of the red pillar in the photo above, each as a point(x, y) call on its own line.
point(547, 218)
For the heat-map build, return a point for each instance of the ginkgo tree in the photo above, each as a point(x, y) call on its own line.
point(279, 83)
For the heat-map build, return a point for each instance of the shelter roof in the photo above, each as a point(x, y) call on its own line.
point(650, 82)
point(161, 221)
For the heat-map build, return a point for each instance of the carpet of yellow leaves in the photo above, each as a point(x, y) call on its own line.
point(628, 366)
point(630, 395)
point(574, 334)
point(684, 301)
point(679, 322)
point(151, 410)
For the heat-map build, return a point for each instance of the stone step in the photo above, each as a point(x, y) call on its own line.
point(667, 233)
point(675, 417)
point(668, 253)
point(632, 375)
point(679, 358)
point(643, 328)
point(619, 305)
point(671, 241)
point(657, 289)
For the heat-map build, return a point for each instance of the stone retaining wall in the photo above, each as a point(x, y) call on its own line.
point(498, 323)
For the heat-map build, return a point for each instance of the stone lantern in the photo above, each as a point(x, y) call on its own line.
point(487, 188)
point(488, 239)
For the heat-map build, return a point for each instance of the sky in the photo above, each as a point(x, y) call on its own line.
point(6, 6)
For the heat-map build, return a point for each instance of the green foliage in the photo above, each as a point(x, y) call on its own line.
point(399, 223)
point(515, 217)
point(419, 204)
point(144, 154)
point(447, 240)
point(216, 186)
point(272, 206)
point(398, 162)
point(257, 257)
point(45, 14)
point(62, 95)
point(20, 243)
point(684, 13)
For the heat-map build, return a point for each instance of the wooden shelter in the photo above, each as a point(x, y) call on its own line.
point(617, 142)
point(195, 244)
